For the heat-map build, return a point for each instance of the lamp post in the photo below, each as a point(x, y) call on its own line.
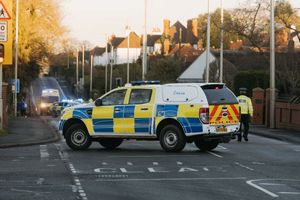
point(221, 45)
point(272, 68)
point(128, 31)
point(207, 43)
point(16, 56)
point(144, 70)
point(106, 52)
point(91, 73)
point(77, 65)
point(111, 67)
point(82, 66)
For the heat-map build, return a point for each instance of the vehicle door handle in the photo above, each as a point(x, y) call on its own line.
point(117, 110)
point(144, 108)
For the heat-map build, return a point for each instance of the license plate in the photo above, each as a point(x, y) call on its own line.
point(221, 129)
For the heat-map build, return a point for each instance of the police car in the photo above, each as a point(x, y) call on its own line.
point(174, 114)
point(57, 107)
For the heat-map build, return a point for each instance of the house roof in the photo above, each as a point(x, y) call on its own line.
point(116, 41)
point(185, 51)
point(134, 41)
point(195, 72)
point(152, 39)
point(98, 51)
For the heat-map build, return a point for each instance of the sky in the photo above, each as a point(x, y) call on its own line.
point(95, 20)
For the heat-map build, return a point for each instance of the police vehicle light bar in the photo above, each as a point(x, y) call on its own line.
point(145, 82)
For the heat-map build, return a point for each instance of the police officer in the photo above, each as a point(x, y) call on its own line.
point(246, 110)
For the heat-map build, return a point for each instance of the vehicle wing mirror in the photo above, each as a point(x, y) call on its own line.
point(98, 102)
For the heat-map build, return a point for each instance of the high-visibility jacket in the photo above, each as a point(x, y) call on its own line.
point(245, 105)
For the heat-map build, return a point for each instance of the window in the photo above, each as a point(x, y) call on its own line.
point(219, 94)
point(140, 96)
point(114, 98)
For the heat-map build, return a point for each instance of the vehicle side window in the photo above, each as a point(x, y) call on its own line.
point(114, 98)
point(140, 96)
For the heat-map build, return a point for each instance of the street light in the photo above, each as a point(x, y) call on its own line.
point(16, 56)
point(106, 52)
point(82, 65)
point(91, 73)
point(128, 31)
point(272, 68)
point(221, 45)
point(207, 43)
point(77, 65)
point(144, 70)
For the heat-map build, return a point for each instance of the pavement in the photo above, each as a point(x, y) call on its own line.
point(35, 130)
point(28, 131)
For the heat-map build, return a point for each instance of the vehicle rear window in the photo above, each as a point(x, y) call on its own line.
point(219, 94)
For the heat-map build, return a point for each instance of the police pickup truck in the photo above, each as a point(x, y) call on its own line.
point(204, 113)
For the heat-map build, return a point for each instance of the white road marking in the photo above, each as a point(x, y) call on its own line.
point(244, 166)
point(271, 184)
point(129, 163)
point(77, 187)
point(205, 169)
point(40, 181)
point(179, 163)
point(250, 182)
point(155, 163)
point(158, 156)
point(221, 147)
point(104, 163)
point(289, 193)
point(258, 163)
point(169, 179)
point(214, 154)
point(44, 152)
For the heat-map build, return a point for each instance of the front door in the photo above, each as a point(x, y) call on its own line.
point(107, 118)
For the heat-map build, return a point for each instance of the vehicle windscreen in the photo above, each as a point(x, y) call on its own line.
point(49, 99)
point(219, 94)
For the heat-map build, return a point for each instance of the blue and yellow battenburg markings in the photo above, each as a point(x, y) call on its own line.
point(134, 118)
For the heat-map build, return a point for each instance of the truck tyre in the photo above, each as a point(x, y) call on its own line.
point(206, 145)
point(172, 139)
point(110, 143)
point(77, 137)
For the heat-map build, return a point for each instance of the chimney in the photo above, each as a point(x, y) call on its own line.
point(166, 27)
point(195, 27)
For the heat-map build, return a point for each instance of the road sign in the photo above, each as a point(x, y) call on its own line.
point(6, 34)
point(12, 82)
point(3, 12)
point(3, 31)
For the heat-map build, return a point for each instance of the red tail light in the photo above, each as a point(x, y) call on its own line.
point(204, 115)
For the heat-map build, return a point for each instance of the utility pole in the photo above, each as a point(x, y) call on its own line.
point(83, 65)
point(106, 52)
point(111, 67)
point(128, 31)
point(16, 56)
point(77, 65)
point(91, 75)
point(207, 43)
point(144, 70)
point(272, 68)
point(221, 45)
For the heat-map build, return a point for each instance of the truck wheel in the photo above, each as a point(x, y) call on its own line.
point(172, 139)
point(77, 137)
point(206, 145)
point(110, 143)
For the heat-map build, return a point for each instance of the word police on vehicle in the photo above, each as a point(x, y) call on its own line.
point(206, 114)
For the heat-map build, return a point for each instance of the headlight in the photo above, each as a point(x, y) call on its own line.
point(43, 105)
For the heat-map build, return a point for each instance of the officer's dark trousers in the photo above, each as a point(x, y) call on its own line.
point(245, 122)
